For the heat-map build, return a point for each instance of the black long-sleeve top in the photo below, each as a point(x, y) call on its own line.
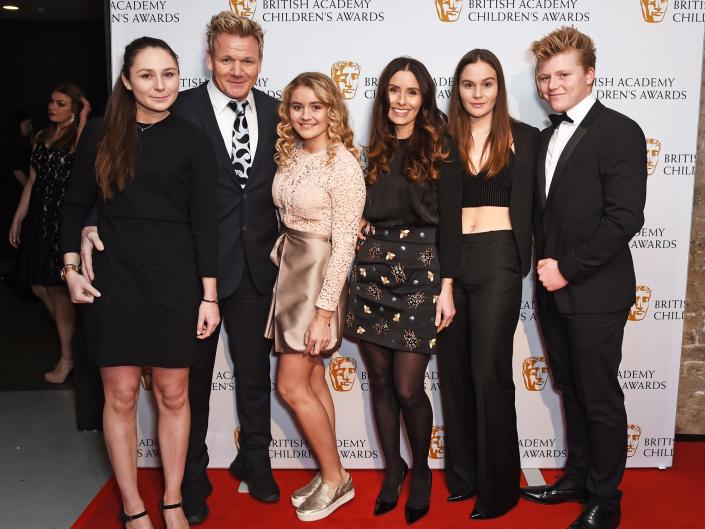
point(394, 201)
point(175, 180)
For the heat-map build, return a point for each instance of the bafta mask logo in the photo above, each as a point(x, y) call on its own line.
point(448, 10)
point(236, 438)
point(653, 11)
point(244, 8)
point(146, 378)
point(633, 435)
point(346, 75)
point(437, 448)
point(342, 371)
point(653, 149)
point(641, 303)
point(535, 372)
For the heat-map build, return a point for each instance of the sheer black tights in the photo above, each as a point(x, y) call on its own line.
point(397, 384)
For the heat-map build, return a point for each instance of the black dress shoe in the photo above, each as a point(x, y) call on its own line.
point(194, 502)
point(413, 514)
point(259, 479)
point(460, 497)
point(382, 506)
point(597, 517)
point(561, 491)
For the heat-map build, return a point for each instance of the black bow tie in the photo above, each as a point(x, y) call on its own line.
point(557, 119)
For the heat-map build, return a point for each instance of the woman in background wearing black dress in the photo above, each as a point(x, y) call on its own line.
point(401, 291)
point(36, 226)
point(475, 353)
point(153, 179)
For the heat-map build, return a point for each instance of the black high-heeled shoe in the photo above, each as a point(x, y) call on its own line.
point(179, 505)
point(413, 514)
point(382, 506)
point(127, 518)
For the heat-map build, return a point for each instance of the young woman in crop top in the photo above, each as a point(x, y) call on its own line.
point(475, 353)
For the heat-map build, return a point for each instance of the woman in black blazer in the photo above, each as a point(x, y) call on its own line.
point(475, 352)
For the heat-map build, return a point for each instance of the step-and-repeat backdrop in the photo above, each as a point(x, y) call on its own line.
point(649, 63)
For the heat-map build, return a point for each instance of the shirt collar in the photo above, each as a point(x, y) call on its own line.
point(220, 101)
point(579, 111)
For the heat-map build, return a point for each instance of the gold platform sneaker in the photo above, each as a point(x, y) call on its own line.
point(300, 495)
point(323, 501)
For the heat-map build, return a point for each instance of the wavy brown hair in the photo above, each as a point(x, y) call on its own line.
point(328, 93)
point(498, 145)
point(115, 160)
point(67, 140)
point(427, 145)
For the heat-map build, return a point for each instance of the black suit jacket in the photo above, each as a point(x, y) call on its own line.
point(247, 219)
point(526, 141)
point(594, 208)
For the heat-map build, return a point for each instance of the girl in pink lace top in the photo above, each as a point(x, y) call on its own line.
point(320, 192)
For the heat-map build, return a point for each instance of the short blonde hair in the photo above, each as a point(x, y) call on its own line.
point(232, 24)
point(339, 131)
point(562, 40)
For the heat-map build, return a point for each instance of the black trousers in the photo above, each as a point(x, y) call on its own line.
point(584, 352)
point(475, 363)
point(244, 314)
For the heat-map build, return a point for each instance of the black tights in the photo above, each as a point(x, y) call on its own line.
point(397, 384)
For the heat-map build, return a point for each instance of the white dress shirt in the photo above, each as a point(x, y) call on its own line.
point(562, 135)
point(225, 116)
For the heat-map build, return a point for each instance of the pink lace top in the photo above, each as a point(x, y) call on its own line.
point(324, 198)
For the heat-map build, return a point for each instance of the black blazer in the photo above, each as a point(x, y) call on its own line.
point(526, 143)
point(247, 219)
point(594, 208)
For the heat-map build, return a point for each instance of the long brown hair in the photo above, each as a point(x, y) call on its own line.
point(115, 160)
point(426, 147)
point(499, 142)
point(67, 140)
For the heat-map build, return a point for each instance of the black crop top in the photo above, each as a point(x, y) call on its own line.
point(478, 190)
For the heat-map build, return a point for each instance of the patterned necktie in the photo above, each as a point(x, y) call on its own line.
point(240, 157)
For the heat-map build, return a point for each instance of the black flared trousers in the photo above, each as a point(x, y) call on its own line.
point(475, 363)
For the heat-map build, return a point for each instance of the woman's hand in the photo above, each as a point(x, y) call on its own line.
point(15, 230)
point(362, 229)
point(208, 319)
point(317, 336)
point(80, 288)
point(85, 111)
point(445, 307)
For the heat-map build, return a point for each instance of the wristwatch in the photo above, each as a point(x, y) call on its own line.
point(70, 267)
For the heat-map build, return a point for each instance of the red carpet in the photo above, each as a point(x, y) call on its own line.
point(665, 499)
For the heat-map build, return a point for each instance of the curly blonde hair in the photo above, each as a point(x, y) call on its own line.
point(339, 131)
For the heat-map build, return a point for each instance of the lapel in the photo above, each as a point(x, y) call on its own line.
point(207, 116)
point(264, 132)
point(574, 141)
point(541, 164)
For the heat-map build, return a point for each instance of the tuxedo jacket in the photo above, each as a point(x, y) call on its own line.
point(247, 218)
point(594, 207)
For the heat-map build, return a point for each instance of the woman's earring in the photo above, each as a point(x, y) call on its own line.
point(73, 118)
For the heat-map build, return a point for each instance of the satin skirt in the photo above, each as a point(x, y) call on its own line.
point(302, 258)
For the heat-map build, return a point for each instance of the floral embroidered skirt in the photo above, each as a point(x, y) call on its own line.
point(394, 285)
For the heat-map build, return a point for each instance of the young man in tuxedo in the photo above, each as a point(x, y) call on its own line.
point(589, 203)
point(241, 123)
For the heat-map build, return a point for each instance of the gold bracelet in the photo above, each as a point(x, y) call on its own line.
point(204, 300)
point(69, 267)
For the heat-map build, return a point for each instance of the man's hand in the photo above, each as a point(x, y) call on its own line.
point(89, 240)
point(550, 276)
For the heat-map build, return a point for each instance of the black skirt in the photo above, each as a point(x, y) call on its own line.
point(394, 286)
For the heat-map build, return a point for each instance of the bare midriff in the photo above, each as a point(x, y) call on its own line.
point(486, 218)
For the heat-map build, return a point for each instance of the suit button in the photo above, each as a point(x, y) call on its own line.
point(244, 228)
